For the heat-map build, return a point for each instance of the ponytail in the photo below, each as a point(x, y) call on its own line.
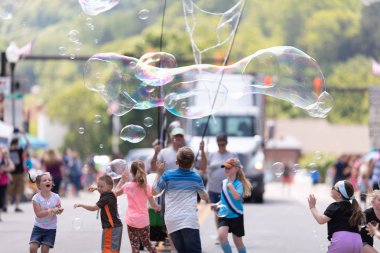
point(357, 216)
point(247, 186)
point(139, 174)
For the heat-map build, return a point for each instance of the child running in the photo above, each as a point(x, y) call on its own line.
point(111, 223)
point(343, 219)
point(234, 188)
point(136, 217)
point(46, 206)
point(181, 186)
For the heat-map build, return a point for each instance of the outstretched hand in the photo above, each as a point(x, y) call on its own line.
point(160, 167)
point(92, 188)
point(312, 201)
point(372, 229)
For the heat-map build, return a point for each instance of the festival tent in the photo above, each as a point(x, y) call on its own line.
point(35, 142)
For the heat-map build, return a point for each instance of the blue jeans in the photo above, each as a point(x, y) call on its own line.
point(187, 240)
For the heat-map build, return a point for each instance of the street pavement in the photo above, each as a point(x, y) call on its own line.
point(282, 224)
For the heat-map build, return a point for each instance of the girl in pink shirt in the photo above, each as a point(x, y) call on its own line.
point(137, 217)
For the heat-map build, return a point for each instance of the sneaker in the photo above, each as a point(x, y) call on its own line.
point(18, 210)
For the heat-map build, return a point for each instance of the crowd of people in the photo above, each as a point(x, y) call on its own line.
point(180, 179)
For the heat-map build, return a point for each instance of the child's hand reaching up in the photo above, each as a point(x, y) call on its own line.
point(125, 176)
point(312, 201)
point(77, 205)
point(160, 167)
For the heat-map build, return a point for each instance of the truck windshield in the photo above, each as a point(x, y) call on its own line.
point(231, 125)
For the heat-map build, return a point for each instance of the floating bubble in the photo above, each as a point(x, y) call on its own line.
point(221, 210)
point(77, 223)
point(132, 133)
point(296, 167)
point(100, 146)
point(81, 130)
point(97, 119)
point(94, 7)
point(62, 51)
point(148, 122)
point(9, 7)
point(278, 169)
point(72, 56)
point(143, 14)
point(369, 2)
point(73, 35)
point(313, 167)
point(116, 168)
point(197, 91)
point(318, 155)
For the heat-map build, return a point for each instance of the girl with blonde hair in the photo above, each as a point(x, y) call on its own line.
point(234, 188)
point(372, 215)
point(137, 217)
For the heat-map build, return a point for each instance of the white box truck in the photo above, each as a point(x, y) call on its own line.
point(242, 119)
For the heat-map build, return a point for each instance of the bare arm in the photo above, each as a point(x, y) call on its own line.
point(153, 204)
point(153, 162)
point(43, 213)
point(320, 218)
point(203, 161)
point(160, 171)
point(123, 180)
point(87, 207)
point(204, 196)
point(233, 191)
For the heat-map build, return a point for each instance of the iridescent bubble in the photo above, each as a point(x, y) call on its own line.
point(116, 168)
point(148, 122)
point(132, 133)
point(296, 167)
point(81, 130)
point(77, 223)
point(143, 14)
point(97, 119)
point(100, 146)
point(94, 7)
point(62, 51)
point(72, 56)
point(197, 91)
point(221, 210)
point(278, 169)
point(9, 7)
point(318, 155)
point(73, 36)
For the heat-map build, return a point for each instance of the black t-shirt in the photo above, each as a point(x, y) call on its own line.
point(340, 213)
point(369, 216)
point(16, 155)
point(108, 210)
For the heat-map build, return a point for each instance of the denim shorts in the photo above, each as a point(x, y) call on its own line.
point(43, 236)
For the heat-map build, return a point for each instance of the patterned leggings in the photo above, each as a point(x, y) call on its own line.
point(140, 234)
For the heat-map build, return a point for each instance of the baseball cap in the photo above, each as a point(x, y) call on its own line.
point(177, 131)
point(232, 162)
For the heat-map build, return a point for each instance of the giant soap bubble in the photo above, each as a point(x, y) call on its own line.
point(197, 91)
point(94, 7)
point(116, 168)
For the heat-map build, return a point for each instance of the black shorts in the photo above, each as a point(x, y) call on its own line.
point(235, 225)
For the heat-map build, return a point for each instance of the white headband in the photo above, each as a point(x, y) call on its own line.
point(342, 190)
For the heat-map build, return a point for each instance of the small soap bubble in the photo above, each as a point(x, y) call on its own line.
point(132, 133)
point(221, 210)
point(312, 167)
point(116, 168)
point(148, 122)
point(62, 51)
point(96, 41)
point(81, 130)
point(278, 169)
point(296, 168)
point(318, 155)
point(73, 36)
point(97, 119)
point(143, 14)
point(100, 146)
point(77, 223)
point(72, 56)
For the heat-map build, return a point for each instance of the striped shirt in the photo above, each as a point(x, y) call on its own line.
point(181, 187)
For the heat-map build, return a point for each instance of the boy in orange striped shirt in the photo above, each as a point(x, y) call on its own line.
point(111, 223)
